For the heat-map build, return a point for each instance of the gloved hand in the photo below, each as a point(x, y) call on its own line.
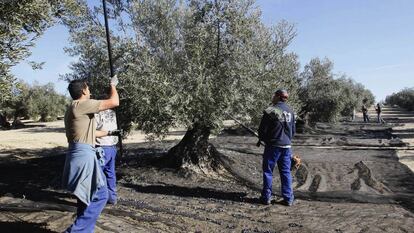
point(114, 80)
point(116, 132)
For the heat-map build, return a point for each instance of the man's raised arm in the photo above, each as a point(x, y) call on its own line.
point(113, 100)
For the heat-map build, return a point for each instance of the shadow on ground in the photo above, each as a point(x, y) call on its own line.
point(21, 227)
point(45, 130)
point(195, 192)
point(35, 179)
point(24, 127)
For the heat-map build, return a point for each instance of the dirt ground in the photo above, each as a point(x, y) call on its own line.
point(356, 177)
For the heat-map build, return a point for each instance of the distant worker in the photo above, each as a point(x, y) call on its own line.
point(276, 130)
point(82, 174)
point(106, 121)
point(378, 109)
point(365, 113)
point(353, 114)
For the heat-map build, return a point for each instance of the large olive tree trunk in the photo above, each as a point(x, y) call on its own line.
point(3, 121)
point(194, 152)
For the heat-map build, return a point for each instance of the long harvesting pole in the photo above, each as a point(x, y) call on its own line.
point(247, 128)
point(111, 67)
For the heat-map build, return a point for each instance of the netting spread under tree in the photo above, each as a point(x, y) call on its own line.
point(187, 63)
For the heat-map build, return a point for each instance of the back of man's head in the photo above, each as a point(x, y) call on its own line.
point(76, 87)
point(282, 94)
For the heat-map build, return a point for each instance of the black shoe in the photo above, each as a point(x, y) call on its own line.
point(264, 201)
point(285, 203)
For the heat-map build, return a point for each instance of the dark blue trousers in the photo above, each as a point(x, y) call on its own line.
point(366, 117)
point(281, 157)
point(86, 216)
point(109, 171)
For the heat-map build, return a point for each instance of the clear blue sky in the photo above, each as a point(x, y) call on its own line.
point(371, 41)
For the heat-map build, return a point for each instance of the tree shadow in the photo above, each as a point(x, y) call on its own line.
point(36, 179)
point(147, 155)
point(38, 129)
point(21, 227)
point(143, 158)
point(23, 126)
point(405, 136)
point(399, 120)
point(403, 133)
point(333, 196)
point(194, 192)
point(403, 130)
point(390, 115)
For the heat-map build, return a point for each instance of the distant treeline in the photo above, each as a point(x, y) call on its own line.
point(403, 98)
point(36, 102)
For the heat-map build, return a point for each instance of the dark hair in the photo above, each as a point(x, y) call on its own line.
point(76, 87)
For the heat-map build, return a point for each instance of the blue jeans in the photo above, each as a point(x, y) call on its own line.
point(87, 215)
point(109, 171)
point(281, 156)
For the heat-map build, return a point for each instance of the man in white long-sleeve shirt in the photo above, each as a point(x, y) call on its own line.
point(106, 121)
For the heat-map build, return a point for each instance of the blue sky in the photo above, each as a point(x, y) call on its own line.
point(372, 41)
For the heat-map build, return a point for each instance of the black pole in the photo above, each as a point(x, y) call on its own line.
point(248, 129)
point(294, 161)
point(111, 67)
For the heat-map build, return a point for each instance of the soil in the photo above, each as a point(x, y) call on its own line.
point(355, 177)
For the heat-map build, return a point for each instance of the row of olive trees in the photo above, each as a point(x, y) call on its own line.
point(403, 98)
point(193, 63)
point(326, 98)
point(38, 102)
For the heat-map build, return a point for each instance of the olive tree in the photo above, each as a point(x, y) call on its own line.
point(21, 24)
point(354, 96)
point(45, 103)
point(321, 93)
point(187, 63)
point(403, 98)
point(327, 98)
point(38, 102)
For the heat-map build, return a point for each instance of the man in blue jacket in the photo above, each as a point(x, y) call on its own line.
point(276, 130)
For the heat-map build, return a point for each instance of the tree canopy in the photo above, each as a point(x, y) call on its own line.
point(21, 24)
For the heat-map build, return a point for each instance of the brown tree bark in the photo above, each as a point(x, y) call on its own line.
point(194, 152)
point(3, 121)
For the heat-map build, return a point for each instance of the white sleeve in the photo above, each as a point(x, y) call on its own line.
point(99, 121)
